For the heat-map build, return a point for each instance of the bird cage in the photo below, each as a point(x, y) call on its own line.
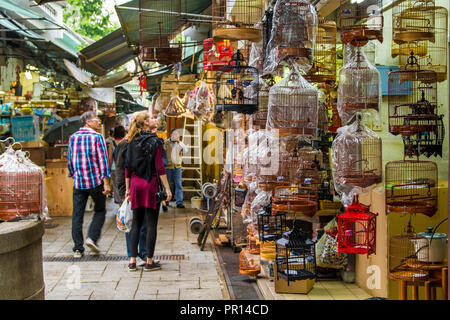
point(237, 19)
point(253, 243)
point(256, 56)
point(293, 35)
point(267, 21)
point(411, 187)
point(237, 87)
point(357, 230)
point(359, 85)
point(361, 21)
point(21, 186)
point(249, 264)
point(295, 256)
point(322, 113)
point(404, 251)
point(294, 199)
point(259, 118)
point(324, 58)
point(427, 143)
point(216, 54)
point(293, 107)
point(158, 21)
point(270, 227)
point(356, 156)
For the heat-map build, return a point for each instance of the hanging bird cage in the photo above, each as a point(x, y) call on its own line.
point(356, 156)
point(295, 256)
point(322, 113)
point(427, 143)
point(237, 87)
point(404, 253)
point(237, 20)
point(249, 264)
point(216, 54)
point(361, 21)
point(294, 200)
point(357, 230)
point(324, 57)
point(293, 107)
point(359, 85)
point(293, 35)
point(411, 187)
point(259, 118)
point(158, 22)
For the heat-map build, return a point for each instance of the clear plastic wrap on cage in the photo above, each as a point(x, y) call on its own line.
point(356, 156)
point(201, 100)
point(294, 29)
point(256, 57)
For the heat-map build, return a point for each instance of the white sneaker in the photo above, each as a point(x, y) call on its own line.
point(90, 243)
point(77, 254)
point(140, 262)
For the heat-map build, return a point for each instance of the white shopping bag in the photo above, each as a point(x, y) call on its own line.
point(124, 217)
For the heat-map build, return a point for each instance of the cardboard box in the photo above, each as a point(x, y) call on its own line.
point(299, 286)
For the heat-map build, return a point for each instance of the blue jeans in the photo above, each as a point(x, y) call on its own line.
point(174, 178)
point(142, 252)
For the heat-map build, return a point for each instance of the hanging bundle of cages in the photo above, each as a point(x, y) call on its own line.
point(158, 20)
point(411, 187)
point(361, 21)
point(294, 200)
point(356, 156)
point(216, 54)
point(359, 85)
point(293, 35)
point(237, 20)
point(237, 87)
point(405, 251)
point(295, 256)
point(323, 68)
point(412, 102)
point(357, 230)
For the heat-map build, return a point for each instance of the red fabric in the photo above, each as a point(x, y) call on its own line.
point(142, 192)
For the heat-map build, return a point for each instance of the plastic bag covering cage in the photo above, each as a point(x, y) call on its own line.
point(21, 186)
point(159, 21)
point(237, 19)
point(411, 187)
point(324, 58)
point(267, 21)
point(216, 54)
point(359, 85)
point(405, 251)
point(295, 256)
point(237, 87)
point(294, 30)
point(356, 155)
point(421, 28)
point(412, 103)
point(361, 21)
point(293, 107)
point(294, 200)
point(357, 230)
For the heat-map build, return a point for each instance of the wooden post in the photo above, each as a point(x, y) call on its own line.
point(415, 292)
point(444, 283)
point(427, 290)
point(403, 290)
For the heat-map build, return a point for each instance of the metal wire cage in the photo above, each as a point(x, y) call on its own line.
point(237, 87)
point(430, 49)
point(237, 19)
point(357, 230)
point(271, 227)
point(427, 143)
point(359, 85)
point(295, 256)
point(324, 58)
point(411, 187)
point(361, 21)
point(294, 199)
point(404, 252)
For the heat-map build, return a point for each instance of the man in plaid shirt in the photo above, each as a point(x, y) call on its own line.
point(88, 166)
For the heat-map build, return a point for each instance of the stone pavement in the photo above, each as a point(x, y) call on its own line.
point(197, 277)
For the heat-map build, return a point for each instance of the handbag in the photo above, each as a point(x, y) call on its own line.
point(161, 195)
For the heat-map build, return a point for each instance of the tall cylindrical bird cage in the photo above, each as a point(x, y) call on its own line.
point(361, 21)
point(359, 85)
point(293, 35)
point(411, 187)
point(237, 19)
point(324, 58)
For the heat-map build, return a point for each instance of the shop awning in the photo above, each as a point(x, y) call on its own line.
point(106, 54)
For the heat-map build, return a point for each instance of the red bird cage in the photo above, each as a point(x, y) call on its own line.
point(357, 230)
point(216, 55)
point(294, 200)
point(361, 21)
point(411, 187)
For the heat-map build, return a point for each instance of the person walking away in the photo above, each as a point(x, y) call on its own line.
point(118, 135)
point(88, 166)
point(174, 150)
point(143, 168)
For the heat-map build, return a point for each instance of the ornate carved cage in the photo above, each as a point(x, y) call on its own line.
point(411, 187)
point(293, 34)
point(361, 21)
point(294, 200)
point(237, 19)
point(237, 87)
point(324, 57)
point(216, 54)
point(359, 85)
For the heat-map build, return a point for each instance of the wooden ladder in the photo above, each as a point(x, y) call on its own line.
point(192, 162)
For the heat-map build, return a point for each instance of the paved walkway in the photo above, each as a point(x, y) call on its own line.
point(195, 277)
